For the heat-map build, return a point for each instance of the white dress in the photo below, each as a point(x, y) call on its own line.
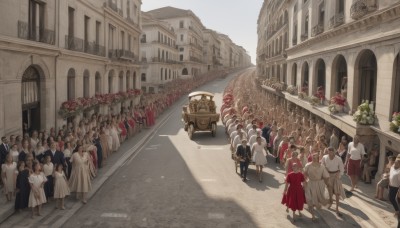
point(36, 180)
point(115, 138)
point(110, 141)
point(259, 154)
point(61, 188)
point(10, 172)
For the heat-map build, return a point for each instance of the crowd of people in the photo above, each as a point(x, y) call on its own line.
point(38, 166)
point(313, 156)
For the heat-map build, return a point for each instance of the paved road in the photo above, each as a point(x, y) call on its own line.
point(176, 182)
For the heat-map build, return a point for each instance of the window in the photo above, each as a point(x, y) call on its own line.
point(128, 80)
point(121, 81)
point(128, 8)
point(165, 73)
point(306, 21)
point(98, 26)
point(340, 6)
point(181, 57)
point(159, 37)
point(129, 42)
point(396, 91)
point(181, 49)
point(71, 30)
point(143, 77)
point(36, 20)
point(295, 8)
point(86, 32)
point(111, 30)
point(122, 40)
point(71, 84)
point(98, 83)
point(110, 81)
point(181, 25)
point(161, 74)
point(321, 14)
point(182, 37)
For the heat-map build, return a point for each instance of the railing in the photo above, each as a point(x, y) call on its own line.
point(94, 49)
point(336, 20)
point(111, 5)
point(304, 37)
point(156, 59)
point(318, 29)
point(39, 34)
point(360, 8)
point(74, 44)
point(194, 59)
point(125, 54)
point(197, 46)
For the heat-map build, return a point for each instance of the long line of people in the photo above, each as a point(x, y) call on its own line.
point(39, 166)
point(313, 160)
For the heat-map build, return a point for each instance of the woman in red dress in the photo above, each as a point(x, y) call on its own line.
point(122, 128)
point(293, 197)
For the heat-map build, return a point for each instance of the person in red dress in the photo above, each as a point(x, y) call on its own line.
point(293, 195)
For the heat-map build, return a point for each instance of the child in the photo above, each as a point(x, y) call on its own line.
point(23, 187)
point(14, 153)
point(37, 196)
point(9, 175)
point(61, 188)
point(293, 197)
point(48, 169)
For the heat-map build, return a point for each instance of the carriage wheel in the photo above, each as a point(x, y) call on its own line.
point(190, 131)
point(213, 129)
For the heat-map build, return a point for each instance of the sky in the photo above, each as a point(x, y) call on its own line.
point(235, 18)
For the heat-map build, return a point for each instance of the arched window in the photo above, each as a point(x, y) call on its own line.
point(71, 84)
point(128, 80)
point(304, 77)
point(294, 74)
point(169, 77)
point(110, 81)
point(320, 73)
point(366, 75)
point(339, 75)
point(98, 83)
point(121, 81)
point(185, 71)
point(86, 86)
point(165, 73)
point(134, 80)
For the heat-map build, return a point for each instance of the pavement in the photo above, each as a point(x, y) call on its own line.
point(159, 178)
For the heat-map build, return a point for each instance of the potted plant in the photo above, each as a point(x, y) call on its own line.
point(337, 103)
point(395, 124)
point(365, 114)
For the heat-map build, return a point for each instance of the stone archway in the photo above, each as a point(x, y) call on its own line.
point(320, 70)
point(185, 71)
point(294, 74)
point(30, 99)
point(305, 72)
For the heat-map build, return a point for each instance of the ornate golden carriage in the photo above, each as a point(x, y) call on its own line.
point(200, 114)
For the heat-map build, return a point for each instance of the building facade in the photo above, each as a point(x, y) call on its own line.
point(212, 50)
point(55, 51)
point(159, 52)
point(350, 47)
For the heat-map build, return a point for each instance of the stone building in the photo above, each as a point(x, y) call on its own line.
point(212, 50)
point(189, 31)
point(350, 47)
point(159, 53)
point(53, 51)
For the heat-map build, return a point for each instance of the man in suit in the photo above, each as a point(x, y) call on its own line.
point(57, 157)
point(243, 153)
point(4, 149)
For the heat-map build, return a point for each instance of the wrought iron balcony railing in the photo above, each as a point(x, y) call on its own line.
point(94, 49)
point(336, 20)
point(39, 34)
point(317, 29)
point(74, 44)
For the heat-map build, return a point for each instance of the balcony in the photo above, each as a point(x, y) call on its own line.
point(94, 49)
point(336, 20)
point(360, 8)
point(304, 37)
point(125, 54)
point(194, 59)
point(318, 29)
point(110, 4)
point(74, 44)
point(39, 34)
point(197, 46)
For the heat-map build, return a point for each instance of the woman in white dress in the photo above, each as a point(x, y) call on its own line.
point(37, 196)
point(107, 131)
point(259, 156)
point(79, 181)
point(114, 136)
point(9, 175)
point(14, 153)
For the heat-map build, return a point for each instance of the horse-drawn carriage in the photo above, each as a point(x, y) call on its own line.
point(200, 114)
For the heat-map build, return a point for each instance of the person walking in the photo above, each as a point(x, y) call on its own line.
point(243, 153)
point(259, 156)
point(293, 195)
point(315, 174)
point(355, 154)
point(335, 168)
point(394, 184)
